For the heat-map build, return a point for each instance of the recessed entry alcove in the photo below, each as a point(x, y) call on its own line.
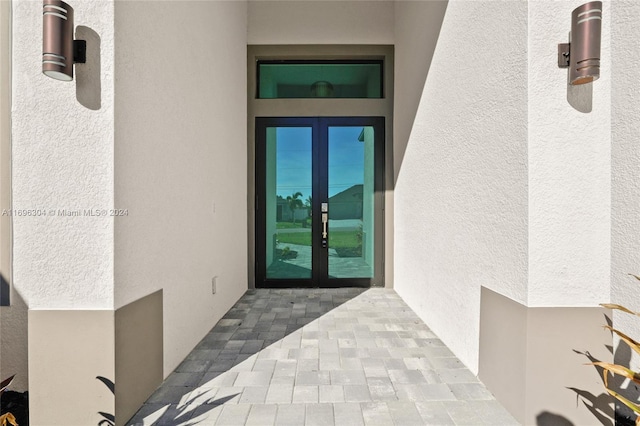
point(319, 130)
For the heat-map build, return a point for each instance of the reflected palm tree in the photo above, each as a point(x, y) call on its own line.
point(309, 204)
point(294, 203)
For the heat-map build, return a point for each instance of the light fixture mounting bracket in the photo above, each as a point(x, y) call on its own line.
point(564, 50)
point(79, 51)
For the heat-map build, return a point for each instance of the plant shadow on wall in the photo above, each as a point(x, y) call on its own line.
point(620, 381)
point(624, 386)
point(600, 406)
point(107, 419)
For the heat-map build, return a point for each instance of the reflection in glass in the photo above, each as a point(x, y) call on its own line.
point(351, 202)
point(288, 202)
point(319, 79)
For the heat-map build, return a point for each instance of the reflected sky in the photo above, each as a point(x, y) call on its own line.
point(294, 167)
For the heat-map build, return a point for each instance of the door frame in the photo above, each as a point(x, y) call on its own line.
point(320, 259)
point(382, 107)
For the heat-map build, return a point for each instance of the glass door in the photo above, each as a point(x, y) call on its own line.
point(319, 201)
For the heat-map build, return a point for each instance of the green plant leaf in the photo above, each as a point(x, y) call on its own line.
point(628, 340)
point(617, 369)
point(619, 308)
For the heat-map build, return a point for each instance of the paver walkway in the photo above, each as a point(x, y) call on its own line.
point(321, 357)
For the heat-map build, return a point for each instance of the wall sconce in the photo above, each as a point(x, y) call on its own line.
point(59, 50)
point(582, 55)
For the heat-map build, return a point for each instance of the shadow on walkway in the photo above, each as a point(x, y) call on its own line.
point(259, 319)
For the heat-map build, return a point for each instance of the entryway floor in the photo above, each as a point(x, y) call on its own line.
point(321, 357)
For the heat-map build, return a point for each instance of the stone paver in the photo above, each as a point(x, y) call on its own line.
point(321, 357)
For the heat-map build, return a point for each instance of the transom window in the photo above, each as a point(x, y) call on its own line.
point(320, 79)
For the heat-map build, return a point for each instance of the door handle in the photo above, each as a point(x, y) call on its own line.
point(325, 220)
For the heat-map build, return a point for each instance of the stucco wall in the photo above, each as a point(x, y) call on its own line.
point(625, 173)
point(416, 28)
point(13, 318)
point(625, 156)
point(569, 167)
point(180, 155)
point(320, 22)
point(62, 160)
point(461, 192)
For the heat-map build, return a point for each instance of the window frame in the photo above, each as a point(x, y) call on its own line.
point(378, 62)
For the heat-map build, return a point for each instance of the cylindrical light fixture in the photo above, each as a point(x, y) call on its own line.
point(57, 40)
point(586, 31)
point(322, 89)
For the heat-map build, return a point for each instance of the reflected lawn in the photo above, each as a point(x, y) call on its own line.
point(336, 238)
point(288, 225)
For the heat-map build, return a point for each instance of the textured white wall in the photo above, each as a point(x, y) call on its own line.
point(181, 138)
point(62, 159)
point(461, 193)
point(569, 168)
point(13, 318)
point(320, 22)
point(625, 173)
point(417, 26)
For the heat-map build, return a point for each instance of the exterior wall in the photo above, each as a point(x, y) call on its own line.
point(186, 205)
point(5, 151)
point(68, 351)
point(62, 155)
point(13, 311)
point(63, 160)
point(569, 167)
point(320, 22)
point(180, 162)
point(512, 187)
point(417, 27)
point(138, 354)
point(543, 351)
point(625, 174)
point(461, 192)
point(508, 188)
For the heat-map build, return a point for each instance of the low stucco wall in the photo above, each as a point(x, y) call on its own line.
point(533, 360)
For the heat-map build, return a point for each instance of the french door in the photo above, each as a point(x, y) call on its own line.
point(319, 187)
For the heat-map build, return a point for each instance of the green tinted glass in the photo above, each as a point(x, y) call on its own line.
point(319, 79)
point(288, 202)
point(351, 201)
